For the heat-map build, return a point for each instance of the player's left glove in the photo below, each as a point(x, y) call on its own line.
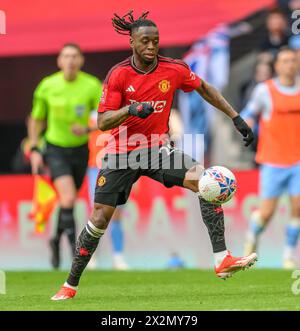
point(244, 129)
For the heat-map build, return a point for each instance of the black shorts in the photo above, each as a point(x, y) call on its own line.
point(67, 161)
point(118, 173)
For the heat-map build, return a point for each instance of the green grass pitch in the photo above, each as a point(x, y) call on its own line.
point(257, 289)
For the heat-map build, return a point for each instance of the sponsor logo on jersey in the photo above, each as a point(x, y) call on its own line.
point(164, 85)
point(101, 181)
point(158, 105)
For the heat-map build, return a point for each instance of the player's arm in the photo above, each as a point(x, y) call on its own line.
point(259, 101)
point(112, 118)
point(35, 128)
point(36, 124)
point(215, 98)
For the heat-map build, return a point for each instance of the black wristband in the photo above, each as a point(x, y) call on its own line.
point(35, 149)
point(237, 119)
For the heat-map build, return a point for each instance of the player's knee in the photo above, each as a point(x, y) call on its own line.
point(100, 218)
point(266, 215)
point(191, 185)
point(67, 200)
point(191, 180)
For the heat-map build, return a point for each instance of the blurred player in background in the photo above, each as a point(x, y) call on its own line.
point(277, 101)
point(277, 31)
point(62, 103)
point(137, 97)
point(116, 230)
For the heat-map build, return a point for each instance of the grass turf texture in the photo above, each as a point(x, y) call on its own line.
point(261, 289)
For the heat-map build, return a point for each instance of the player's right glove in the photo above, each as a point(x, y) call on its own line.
point(244, 129)
point(141, 110)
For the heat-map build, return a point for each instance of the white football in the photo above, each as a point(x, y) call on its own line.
point(217, 185)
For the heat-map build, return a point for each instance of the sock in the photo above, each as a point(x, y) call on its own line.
point(117, 237)
point(213, 218)
point(70, 286)
point(292, 235)
point(65, 220)
point(86, 245)
point(219, 257)
point(257, 225)
point(59, 229)
point(66, 223)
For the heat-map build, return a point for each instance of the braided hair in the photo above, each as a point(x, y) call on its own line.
point(126, 24)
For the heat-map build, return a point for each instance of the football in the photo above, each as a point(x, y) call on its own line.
point(217, 185)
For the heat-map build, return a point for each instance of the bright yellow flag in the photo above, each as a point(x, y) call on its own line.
point(43, 203)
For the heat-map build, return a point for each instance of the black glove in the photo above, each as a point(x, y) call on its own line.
point(141, 110)
point(244, 129)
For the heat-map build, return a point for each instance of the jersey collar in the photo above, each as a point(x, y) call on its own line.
point(141, 72)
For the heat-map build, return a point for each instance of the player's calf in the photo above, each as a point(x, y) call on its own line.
point(86, 245)
point(213, 218)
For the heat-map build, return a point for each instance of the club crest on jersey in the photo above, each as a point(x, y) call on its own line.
point(101, 181)
point(164, 85)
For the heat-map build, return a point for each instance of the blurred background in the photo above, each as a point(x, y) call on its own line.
point(227, 42)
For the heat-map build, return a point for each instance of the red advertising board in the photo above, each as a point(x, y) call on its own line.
point(157, 222)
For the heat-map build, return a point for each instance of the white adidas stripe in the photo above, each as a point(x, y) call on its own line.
point(130, 89)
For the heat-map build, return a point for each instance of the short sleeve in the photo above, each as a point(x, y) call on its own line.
point(39, 105)
point(189, 80)
point(111, 98)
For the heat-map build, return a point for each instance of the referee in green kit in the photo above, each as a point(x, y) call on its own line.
point(62, 104)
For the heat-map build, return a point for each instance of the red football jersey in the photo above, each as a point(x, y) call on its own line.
point(126, 84)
